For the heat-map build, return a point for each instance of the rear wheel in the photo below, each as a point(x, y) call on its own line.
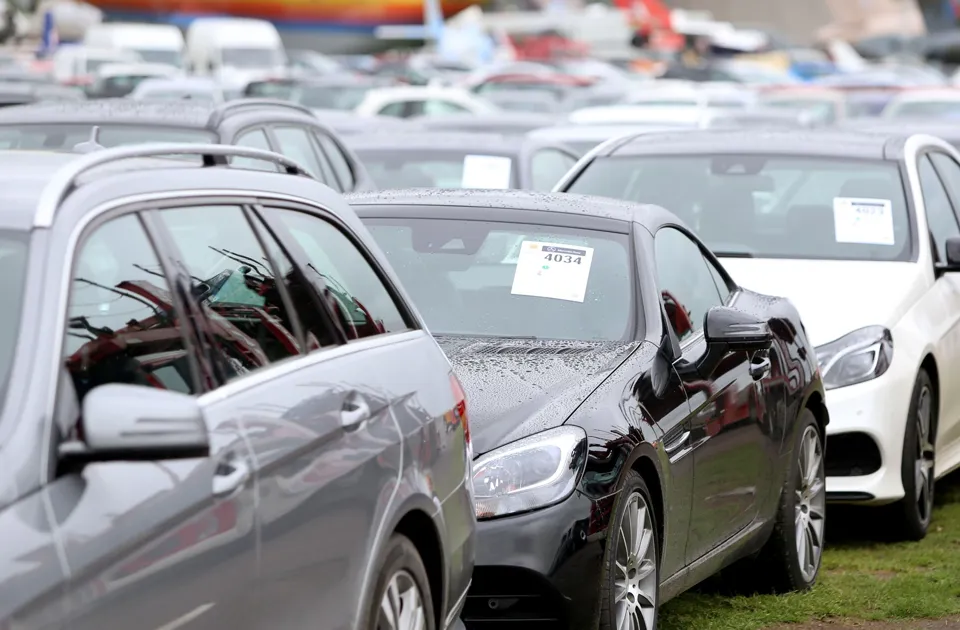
point(914, 512)
point(402, 600)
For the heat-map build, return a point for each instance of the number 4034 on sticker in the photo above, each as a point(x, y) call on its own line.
point(564, 258)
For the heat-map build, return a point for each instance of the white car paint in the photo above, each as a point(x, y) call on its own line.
point(376, 100)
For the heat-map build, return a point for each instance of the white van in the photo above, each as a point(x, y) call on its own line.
point(217, 46)
point(154, 43)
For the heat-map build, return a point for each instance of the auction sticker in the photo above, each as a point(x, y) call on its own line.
point(486, 171)
point(553, 270)
point(864, 221)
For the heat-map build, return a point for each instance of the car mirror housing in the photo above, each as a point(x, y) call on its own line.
point(952, 254)
point(736, 329)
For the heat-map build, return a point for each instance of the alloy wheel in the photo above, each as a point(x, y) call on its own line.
point(402, 605)
point(923, 465)
point(635, 584)
point(811, 504)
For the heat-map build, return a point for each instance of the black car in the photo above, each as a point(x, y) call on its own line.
point(448, 159)
point(640, 421)
point(279, 126)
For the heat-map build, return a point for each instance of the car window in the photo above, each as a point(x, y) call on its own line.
point(548, 166)
point(940, 216)
point(54, 137)
point(686, 284)
point(13, 258)
point(402, 167)
point(949, 172)
point(363, 303)
point(122, 326)
point(722, 287)
point(397, 110)
point(439, 107)
point(341, 167)
point(295, 143)
point(256, 139)
point(235, 285)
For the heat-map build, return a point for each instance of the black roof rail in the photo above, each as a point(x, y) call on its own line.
point(233, 106)
point(64, 180)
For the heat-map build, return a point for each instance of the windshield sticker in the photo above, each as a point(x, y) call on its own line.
point(486, 171)
point(552, 270)
point(863, 221)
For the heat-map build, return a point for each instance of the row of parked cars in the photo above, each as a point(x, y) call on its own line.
point(276, 397)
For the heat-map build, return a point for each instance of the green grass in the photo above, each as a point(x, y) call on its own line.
point(863, 577)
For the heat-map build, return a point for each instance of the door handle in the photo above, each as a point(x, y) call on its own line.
point(760, 367)
point(676, 444)
point(230, 477)
point(355, 411)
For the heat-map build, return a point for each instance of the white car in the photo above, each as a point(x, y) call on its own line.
point(860, 232)
point(407, 102)
point(924, 103)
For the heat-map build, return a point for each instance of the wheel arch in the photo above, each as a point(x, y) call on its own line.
point(421, 530)
point(818, 407)
point(929, 364)
point(644, 466)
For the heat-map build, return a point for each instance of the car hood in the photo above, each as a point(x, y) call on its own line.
point(834, 297)
point(515, 388)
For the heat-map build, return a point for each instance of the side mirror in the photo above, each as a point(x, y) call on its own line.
point(952, 251)
point(136, 423)
point(736, 330)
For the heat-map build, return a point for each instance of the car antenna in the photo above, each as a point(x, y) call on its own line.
point(92, 144)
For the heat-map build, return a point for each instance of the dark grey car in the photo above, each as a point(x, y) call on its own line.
point(218, 408)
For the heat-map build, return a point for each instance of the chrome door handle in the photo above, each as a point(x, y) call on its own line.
point(230, 477)
point(759, 369)
point(676, 444)
point(355, 411)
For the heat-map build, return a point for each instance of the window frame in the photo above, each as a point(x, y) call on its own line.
point(274, 168)
point(922, 155)
point(953, 196)
point(351, 170)
point(326, 174)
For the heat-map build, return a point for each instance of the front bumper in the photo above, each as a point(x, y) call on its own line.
point(539, 570)
point(865, 439)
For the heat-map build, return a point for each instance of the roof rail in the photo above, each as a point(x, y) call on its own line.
point(242, 103)
point(64, 180)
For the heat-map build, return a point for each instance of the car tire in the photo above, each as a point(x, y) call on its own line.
point(630, 582)
point(912, 515)
point(402, 595)
point(792, 564)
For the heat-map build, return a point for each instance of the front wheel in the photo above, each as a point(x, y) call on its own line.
point(630, 587)
point(914, 512)
point(402, 599)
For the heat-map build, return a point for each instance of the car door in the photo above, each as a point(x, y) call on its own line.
point(725, 406)
point(149, 544)
point(547, 167)
point(940, 184)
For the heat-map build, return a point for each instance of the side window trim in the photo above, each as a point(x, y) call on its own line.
point(271, 141)
point(324, 173)
point(954, 203)
point(344, 186)
point(285, 237)
point(934, 243)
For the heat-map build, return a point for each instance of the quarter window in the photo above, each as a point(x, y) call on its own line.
point(949, 172)
point(234, 283)
point(122, 326)
point(435, 107)
point(341, 167)
point(941, 220)
point(362, 302)
point(548, 166)
point(255, 139)
point(686, 283)
point(295, 144)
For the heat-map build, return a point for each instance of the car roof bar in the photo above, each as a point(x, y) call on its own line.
point(229, 107)
point(64, 180)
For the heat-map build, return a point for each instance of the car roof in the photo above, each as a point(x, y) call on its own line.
point(945, 129)
point(558, 203)
point(116, 110)
point(420, 140)
point(814, 142)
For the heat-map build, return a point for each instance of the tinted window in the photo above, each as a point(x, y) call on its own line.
point(295, 143)
point(767, 207)
point(434, 107)
point(256, 139)
point(341, 97)
point(235, 285)
point(54, 137)
point(686, 284)
point(338, 161)
point(363, 302)
point(548, 166)
point(13, 259)
point(397, 110)
point(442, 168)
point(949, 172)
point(940, 216)
point(465, 277)
point(122, 326)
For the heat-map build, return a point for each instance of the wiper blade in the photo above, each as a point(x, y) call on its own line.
point(734, 255)
point(483, 336)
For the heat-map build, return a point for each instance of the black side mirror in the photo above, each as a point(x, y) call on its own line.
point(736, 329)
point(952, 251)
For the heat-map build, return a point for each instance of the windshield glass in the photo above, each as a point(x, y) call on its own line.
point(168, 57)
point(396, 168)
point(512, 279)
point(52, 137)
point(340, 97)
point(251, 57)
point(13, 259)
point(768, 207)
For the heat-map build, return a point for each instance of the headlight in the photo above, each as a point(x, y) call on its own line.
point(859, 356)
point(531, 473)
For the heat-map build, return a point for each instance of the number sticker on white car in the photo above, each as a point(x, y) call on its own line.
point(863, 221)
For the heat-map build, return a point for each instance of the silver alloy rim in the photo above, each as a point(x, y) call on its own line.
point(635, 594)
point(402, 606)
point(811, 505)
point(923, 466)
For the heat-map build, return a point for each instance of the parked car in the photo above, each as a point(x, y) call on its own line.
point(446, 159)
point(284, 127)
point(409, 101)
point(220, 435)
point(505, 123)
point(179, 88)
point(639, 419)
point(860, 231)
point(116, 80)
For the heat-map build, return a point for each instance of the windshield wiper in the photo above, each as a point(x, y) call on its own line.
point(734, 255)
point(484, 336)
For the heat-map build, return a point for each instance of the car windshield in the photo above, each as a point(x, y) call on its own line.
point(55, 137)
point(768, 207)
point(13, 258)
point(168, 57)
point(342, 97)
point(512, 279)
point(251, 57)
point(397, 168)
